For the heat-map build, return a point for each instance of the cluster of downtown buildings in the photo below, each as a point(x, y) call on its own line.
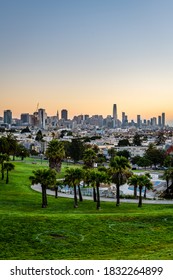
point(41, 120)
point(110, 130)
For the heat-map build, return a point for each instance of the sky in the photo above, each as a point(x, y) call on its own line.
point(86, 55)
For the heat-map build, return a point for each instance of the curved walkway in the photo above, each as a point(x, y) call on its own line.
point(50, 192)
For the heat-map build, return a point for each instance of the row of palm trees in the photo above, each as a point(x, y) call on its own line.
point(118, 173)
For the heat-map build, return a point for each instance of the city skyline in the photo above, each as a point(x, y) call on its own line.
point(87, 55)
point(41, 115)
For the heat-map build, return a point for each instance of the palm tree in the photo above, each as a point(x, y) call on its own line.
point(55, 153)
point(93, 183)
point(8, 166)
point(12, 144)
point(143, 180)
point(168, 175)
point(45, 177)
point(147, 184)
point(119, 167)
point(79, 176)
point(133, 181)
point(3, 157)
point(73, 177)
point(89, 158)
point(98, 177)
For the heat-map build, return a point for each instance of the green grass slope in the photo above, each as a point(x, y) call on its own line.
point(61, 232)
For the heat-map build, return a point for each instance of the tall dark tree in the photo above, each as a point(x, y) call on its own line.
point(137, 141)
point(124, 153)
point(98, 177)
point(76, 149)
point(119, 171)
point(143, 181)
point(73, 177)
point(111, 152)
point(144, 162)
point(8, 166)
point(133, 181)
point(156, 156)
point(89, 158)
point(12, 145)
point(124, 142)
point(3, 159)
point(39, 136)
point(55, 153)
point(21, 151)
point(160, 139)
point(46, 178)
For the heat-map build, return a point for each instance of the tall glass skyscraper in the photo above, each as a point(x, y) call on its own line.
point(115, 112)
point(8, 116)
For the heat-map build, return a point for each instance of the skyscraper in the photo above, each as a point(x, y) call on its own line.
point(64, 114)
point(138, 121)
point(115, 112)
point(8, 116)
point(42, 118)
point(163, 119)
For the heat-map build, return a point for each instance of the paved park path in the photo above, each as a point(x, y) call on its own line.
point(50, 192)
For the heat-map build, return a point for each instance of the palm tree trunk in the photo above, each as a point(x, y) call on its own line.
point(56, 191)
point(94, 194)
point(44, 199)
point(7, 178)
point(2, 171)
point(80, 194)
point(145, 192)
point(118, 195)
point(135, 191)
point(140, 197)
point(167, 185)
point(98, 195)
point(75, 197)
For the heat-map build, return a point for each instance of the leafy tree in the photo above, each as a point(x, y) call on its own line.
point(4, 145)
point(12, 144)
point(8, 166)
point(144, 162)
point(156, 156)
point(112, 152)
point(168, 161)
point(124, 153)
point(46, 178)
point(137, 140)
point(119, 167)
point(21, 151)
point(8, 145)
point(160, 139)
point(25, 130)
point(39, 136)
point(100, 158)
point(76, 149)
point(124, 143)
point(55, 153)
point(135, 159)
point(67, 145)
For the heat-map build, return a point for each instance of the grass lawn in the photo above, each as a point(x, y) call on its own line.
point(61, 232)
